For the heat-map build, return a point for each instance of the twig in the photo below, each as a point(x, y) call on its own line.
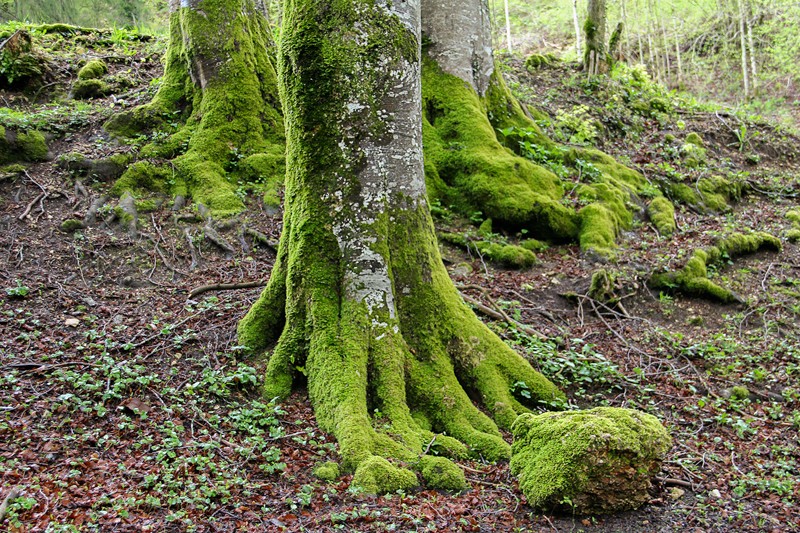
point(488, 311)
point(428, 447)
point(192, 249)
point(12, 495)
point(669, 481)
point(225, 287)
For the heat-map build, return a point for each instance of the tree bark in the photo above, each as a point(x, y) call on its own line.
point(594, 28)
point(359, 300)
point(220, 86)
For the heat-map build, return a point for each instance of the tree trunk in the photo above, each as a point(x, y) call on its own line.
point(577, 25)
point(508, 29)
point(219, 83)
point(595, 60)
point(359, 300)
point(465, 164)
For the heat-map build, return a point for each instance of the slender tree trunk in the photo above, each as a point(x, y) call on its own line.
point(751, 45)
point(359, 299)
point(743, 45)
point(577, 24)
point(508, 28)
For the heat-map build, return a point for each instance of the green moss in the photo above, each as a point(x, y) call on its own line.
point(662, 215)
point(328, 471)
point(693, 155)
point(534, 245)
point(231, 129)
point(695, 139)
point(440, 473)
point(485, 228)
point(536, 61)
point(466, 166)
point(31, 145)
point(146, 206)
point(693, 280)
point(142, 175)
point(70, 225)
point(598, 231)
point(94, 69)
point(598, 460)
point(793, 235)
point(376, 475)
point(740, 393)
point(91, 88)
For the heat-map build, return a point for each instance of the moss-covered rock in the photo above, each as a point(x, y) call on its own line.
point(536, 61)
point(662, 215)
point(71, 224)
point(440, 473)
point(534, 245)
point(595, 461)
point(90, 88)
point(693, 279)
point(327, 471)
point(376, 475)
point(22, 146)
point(693, 155)
point(793, 234)
point(93, 70)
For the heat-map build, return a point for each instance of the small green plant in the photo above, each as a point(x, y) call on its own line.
point(18, 291)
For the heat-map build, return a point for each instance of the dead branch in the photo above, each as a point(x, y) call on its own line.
point(12, 495)
point(225, 287)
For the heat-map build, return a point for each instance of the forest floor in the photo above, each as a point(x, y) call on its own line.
point(126, 405)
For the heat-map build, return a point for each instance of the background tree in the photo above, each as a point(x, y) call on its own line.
point(594, 56)
point(359, 301)
point(219, 87)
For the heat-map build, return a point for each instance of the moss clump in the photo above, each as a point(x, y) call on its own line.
point(595, 461)
point(439, 473)
point(534, 245)
point(740, 393)
point(693, 280)
point(376, 475)
point(662, 215)
point(793, 215)
point(105, 169)
point(693, 155)
point(140, 176)
point(327, 471)
point(695, 139)
point(32, 145)
point(598, 230)
point(93, 70)
point(91, 88)
point(71, 224)
point(710, 195)
point(536, 61)
point(485, 228)
point(22, 146)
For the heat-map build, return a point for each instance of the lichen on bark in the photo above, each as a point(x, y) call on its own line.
point(359, 300)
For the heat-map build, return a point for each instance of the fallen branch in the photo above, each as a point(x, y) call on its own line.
point(500, 315)
point(13, 495)
point(225, 287)
point(675, 482)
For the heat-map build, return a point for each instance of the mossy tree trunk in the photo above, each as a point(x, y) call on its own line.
point(359, 301)
point(465, 103)
point(219, 100)
point(595, 57)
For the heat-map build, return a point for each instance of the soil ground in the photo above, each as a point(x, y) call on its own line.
point(126, 405)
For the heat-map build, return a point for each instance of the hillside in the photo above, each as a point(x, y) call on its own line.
point(126, 405)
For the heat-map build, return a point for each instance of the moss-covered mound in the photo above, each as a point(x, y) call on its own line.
point(507, 255)
point(693, 279)
point(595, 461)
point(21, 146)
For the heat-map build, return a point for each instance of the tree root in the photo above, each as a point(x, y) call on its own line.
point(212, 236)
point(192, 249)
point(197, 291)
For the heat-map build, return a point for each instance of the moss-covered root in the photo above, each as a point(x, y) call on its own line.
point(693, 279)
point(595, 461)
point(467, 167)
point(662, 215)
point(793, 234)
point(228, 109)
